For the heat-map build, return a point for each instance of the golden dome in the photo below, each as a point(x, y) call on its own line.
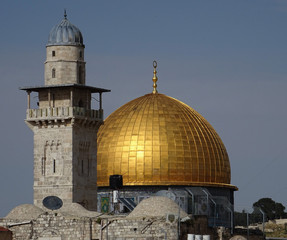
point(156, 140)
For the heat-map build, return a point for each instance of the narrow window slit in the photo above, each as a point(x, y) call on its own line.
point(53, 73)
point(54, 166)
point(43, 166)
point(82, 167)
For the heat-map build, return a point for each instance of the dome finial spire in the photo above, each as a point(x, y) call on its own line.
point(65, 14)
point(154, 79)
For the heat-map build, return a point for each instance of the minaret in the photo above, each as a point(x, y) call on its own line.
point(64, 125)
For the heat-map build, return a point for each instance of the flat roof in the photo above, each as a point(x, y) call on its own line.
point(92, 89)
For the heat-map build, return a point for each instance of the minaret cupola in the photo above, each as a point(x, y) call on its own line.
point(65, 55)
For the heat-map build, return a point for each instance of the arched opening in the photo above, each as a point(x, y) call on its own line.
point(81, 104)
point(53, 73)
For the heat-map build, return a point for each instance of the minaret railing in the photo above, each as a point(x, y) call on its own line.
point(63, 112)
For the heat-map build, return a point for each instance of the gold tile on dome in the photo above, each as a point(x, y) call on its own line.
point(164, 154)
point(125, 149)
point(132, 154)
point(140, 155)
point(141, 148)
point(156, 166)
point(133, 147)
point(148, 142)
point(148, 151)
point(141, 143)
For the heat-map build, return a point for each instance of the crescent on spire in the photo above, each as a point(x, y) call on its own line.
point(154, 79)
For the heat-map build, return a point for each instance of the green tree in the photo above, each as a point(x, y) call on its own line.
point(271, 209)
point(240, 218)
point(279, 211)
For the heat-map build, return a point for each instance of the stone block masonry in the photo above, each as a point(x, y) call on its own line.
point(65, 164)
point(55, 226)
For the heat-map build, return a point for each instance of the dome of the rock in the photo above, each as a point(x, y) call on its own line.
point(158, 140)
point(156, 145)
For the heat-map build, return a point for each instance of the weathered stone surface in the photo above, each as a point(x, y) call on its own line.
point(65, 164)
point(157, 207)
point(24, 212)
point(59, 225)
point(68, 64)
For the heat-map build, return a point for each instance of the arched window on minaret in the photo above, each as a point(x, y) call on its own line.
point(53, 73)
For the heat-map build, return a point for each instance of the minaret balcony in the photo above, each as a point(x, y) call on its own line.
point(54, 113)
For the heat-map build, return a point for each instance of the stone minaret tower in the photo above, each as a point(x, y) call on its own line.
point(64, 125)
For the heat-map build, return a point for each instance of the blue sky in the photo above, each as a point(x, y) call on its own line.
point(226, 59)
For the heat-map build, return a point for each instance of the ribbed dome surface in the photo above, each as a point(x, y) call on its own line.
point(65, 33)
point(158, 140)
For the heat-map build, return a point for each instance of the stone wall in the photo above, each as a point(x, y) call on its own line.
point(51, 226)
point(65, 164)
point(58, 226)
point(53, 166)
point(68, 63)
point(139, 228)
point(5, 234)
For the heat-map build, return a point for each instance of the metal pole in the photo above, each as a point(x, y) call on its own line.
point(71, 97)
point(101, 233)
point(214, 223)
point(178, 226)
point(192, 199)
point(231, 219)
point(107, 232)
point(207, 195)
point(247, 226)
point(232, 222)
point(192, 205)
point(207, 199)
point(263, 222)
point(29, 99)
point(101, 105)
point(49, 97)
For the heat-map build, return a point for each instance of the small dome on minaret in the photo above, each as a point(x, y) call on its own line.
point(65, 33)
